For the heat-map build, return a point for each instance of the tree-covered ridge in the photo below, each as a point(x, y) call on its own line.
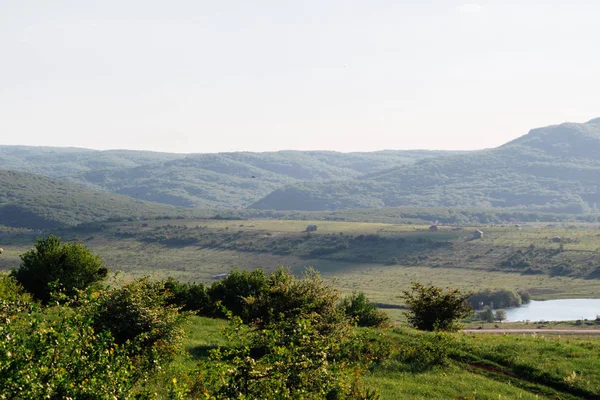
point(230, 180)
point(552, 169)
point(37, 202)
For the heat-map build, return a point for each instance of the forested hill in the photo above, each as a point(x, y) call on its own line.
point(553, 169)
point(38, 202)
point(224, 180)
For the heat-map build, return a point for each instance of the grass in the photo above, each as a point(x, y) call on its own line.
point(481, 367)
point(467, 264)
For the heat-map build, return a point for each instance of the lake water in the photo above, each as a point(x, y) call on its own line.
point(556, 310)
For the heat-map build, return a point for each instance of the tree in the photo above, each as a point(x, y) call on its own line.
point(500, 315)
point(432, 308)
point(70, 265)
point(487, 315)
point(365, 313)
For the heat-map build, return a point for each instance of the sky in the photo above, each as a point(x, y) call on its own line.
point(347, 75)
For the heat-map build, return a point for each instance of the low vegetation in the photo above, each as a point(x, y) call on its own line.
point(286, 337)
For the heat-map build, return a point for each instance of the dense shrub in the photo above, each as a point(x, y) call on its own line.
point(285, 298)
point(55, 353)
point(11, 290)
point(70, 265)
point(358, 307)
point(432, 308)
point(498, 298)
point(424, 351)
point(298, 344)
point(138, 313)
point(233, 291)
point(486, 315)
point(189, 296)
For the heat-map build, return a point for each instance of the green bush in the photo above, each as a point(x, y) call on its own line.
point(498, 298)
point(71, 266)
point(233, 291)
point(424, 351)
point(55, 353)
point(285, 298)
point(188, 296)
point(432, 308)
point(138, 313)
point(11, 290)
point(358, 307)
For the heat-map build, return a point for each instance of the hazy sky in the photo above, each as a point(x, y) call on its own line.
point(225, 75)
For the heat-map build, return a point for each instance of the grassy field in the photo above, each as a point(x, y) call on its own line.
point(448, 257)
point(481, 367)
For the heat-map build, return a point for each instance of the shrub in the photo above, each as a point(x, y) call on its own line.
point(500, 315)
point(498, 298)
point(54, 353)
point(232, 291)
point(188, 296)
point(138, 313)
point(285, 298)
point(11, 290)
point(365, 313)
point(432, 308)
point(70, 265)
point(424, 351)
point(297, 363)
point(487, 315)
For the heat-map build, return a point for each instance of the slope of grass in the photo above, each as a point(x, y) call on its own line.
point(482, 367)
point(37, 202)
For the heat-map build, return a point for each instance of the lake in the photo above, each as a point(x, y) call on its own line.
point(556, 310)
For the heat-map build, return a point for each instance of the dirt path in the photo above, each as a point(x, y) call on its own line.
point(581, 331)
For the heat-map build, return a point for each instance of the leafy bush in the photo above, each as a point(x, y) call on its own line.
point(285, 298)
point(233, 291)
point(11, 290)
point(432, 308)
point(188, 296)
point(71, 265)
point(55, 353)
point(358, 307)
point(487, 315)
point(424, 351)
point(498, 298)
point(138, 313)
point(500, 315)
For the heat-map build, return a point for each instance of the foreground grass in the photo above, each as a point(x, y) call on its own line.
point(480, 366)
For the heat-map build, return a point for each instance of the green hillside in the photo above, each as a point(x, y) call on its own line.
point(37, 202)
point(552, 169)
point(230, 180)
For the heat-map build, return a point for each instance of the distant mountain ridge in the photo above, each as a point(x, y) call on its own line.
point(552, 169)
point(38, 202)
point(222, 180)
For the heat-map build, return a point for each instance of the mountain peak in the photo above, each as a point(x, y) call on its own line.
point(595, 121)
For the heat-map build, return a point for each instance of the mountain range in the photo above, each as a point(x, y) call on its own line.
point(553, 169)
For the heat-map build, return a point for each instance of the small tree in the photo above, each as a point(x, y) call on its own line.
point(500, 315)
point(71, 265)
point(432, 308)
point(487, 315)
point(358, 307)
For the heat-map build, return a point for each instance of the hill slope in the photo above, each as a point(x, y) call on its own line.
point(555, 169)
point(38, 202)
point(231, 180)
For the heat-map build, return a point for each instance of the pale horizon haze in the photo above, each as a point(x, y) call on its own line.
point(210, 76)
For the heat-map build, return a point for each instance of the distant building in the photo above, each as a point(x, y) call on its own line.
point(434, 228)
point(311, 228)
point(478, 234)
point(220, 276)
point(556, 239)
